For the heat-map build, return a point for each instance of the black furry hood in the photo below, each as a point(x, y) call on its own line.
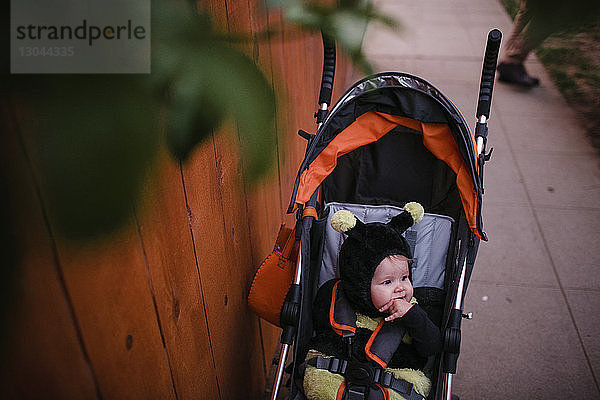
point(365, 247)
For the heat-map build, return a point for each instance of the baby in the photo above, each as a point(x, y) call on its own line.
point(369, 317)
point(391, 290)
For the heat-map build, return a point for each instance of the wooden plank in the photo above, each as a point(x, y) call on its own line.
point(259, 213)
point(168, 247)
point(270, 333)
point(288, 141)
point(107, 284)
point(290, 145)
point(112, 300)
point(264, 203)
point(265, 212)
point(44, 358)
point(218, 12)
point(240, 259)
point(215, 196)
point(42, 354)
point(263, 198)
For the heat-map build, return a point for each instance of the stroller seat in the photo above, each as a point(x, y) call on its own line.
point(428, 240)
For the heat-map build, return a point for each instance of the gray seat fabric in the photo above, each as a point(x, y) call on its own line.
point(428, 241)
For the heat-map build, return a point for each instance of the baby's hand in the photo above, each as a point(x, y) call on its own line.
point(397, 307)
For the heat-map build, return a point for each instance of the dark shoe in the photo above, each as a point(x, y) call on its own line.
point(516, 74)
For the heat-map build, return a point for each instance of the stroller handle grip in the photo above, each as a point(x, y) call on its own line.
point(488, 73)
point(328, 70)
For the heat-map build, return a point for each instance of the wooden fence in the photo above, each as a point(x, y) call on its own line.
point(158, 311)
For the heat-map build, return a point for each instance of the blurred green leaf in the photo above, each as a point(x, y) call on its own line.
point(206, 81)
point(95, 136)
point(249, 98)
point(345, 23)
point(190, 121)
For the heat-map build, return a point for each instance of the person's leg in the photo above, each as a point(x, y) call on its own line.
point(517, 48)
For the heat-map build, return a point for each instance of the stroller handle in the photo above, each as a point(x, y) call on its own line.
point(328, 69)
point(488, 73)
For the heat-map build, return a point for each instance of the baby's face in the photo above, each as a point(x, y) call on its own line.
point(390, 281)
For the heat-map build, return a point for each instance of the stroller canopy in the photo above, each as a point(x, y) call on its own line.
point(370, 110)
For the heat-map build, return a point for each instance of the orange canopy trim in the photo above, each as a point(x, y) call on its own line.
point(370, 127)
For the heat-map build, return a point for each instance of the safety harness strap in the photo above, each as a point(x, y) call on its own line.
point(384, 340)
point(405, 388)
point(380, 376)
point(335, 365)
point(341, 315)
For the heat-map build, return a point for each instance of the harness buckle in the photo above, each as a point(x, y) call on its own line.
point(360, 374)
point(357, 392)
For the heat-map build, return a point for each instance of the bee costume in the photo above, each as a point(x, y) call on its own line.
point(356, 354)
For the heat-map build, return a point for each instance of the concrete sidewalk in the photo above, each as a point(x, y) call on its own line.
point(535, 291)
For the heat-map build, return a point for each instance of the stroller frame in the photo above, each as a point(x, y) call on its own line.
point(304, 203)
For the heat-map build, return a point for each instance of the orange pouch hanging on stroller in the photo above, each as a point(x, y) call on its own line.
point(274, 277)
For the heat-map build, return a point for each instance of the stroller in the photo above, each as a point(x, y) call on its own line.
point(392, 138)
